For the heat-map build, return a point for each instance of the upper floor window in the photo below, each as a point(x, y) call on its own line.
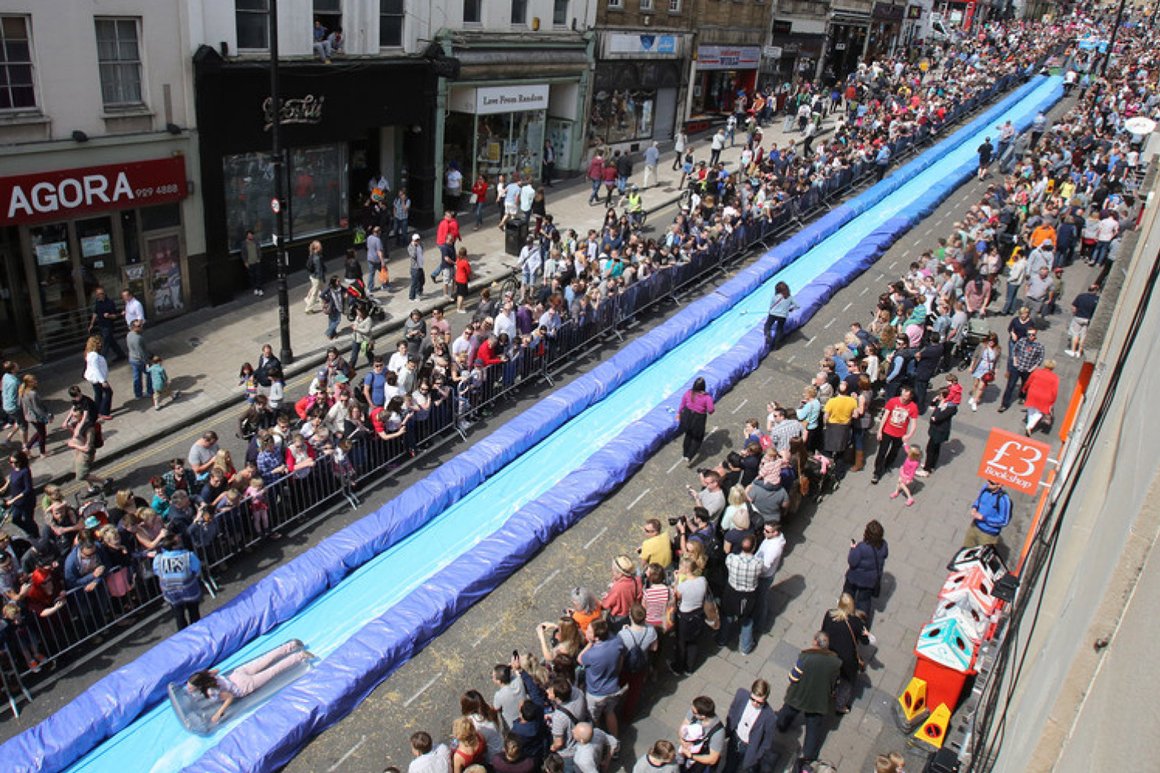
point(16, 91)
point(617, 4)
point(119, 61)
point(519, 11)
point(252, 21)
point(646, 5)
point(560, 13)
point(674, 6)
point(327, 18)
point(390, 23)
point(472, 11)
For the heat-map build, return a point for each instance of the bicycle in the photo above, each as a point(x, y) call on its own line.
point(511, 285)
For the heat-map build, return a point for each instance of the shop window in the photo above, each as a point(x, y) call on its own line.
point(98, 261)
point(119, 61)
point(252, 21)
point(519, 11)
point(560, 13)
point(390, 23)
point(621, 115)
point(54, 275)
point(16, 89)
point(316, 188)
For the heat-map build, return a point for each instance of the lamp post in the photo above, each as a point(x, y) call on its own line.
point(1112, 41)
point(286, 355)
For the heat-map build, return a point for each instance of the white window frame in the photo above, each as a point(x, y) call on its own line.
point(264, 13)
point(674, 6)
point(118, 64)
point(478, 12)
point(35, 106)
point(555, 7)
point(402, 26)
point(616, 5)
point(646, 5)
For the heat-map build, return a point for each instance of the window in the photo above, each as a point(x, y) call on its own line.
point(328, 17)
point(119, 60)
point(616, 4)
point(471, 11)
point(16, 90)
point(646, 5)
point(519, 11)
point(252, 20)
point(390, 23)
point(560, 13)
point(674, 6)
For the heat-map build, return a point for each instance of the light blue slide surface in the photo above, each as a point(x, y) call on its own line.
point(156, 741)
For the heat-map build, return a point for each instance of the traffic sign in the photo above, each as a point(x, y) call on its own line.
point(275, 206)
point(1015, 461)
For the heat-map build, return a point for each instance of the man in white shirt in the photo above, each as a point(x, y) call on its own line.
point(769, 552)
point(133, 309)
point(505, 321)
point(428, 759)
point(716, 145)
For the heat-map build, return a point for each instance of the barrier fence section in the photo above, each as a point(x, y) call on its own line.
point(71, 614)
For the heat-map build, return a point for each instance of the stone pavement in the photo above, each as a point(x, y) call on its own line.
point(204, 349)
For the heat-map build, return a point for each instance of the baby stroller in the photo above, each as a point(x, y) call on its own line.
point(357, 297)
point(822, 472)
point(977, 332)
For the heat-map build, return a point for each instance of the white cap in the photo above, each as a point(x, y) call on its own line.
point(415, 237)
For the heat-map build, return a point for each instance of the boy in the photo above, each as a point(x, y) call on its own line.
point(160, 382)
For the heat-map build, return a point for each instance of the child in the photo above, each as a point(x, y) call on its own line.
point(160, 381)
point(343, 466)
point(751, 433)
point(954, 389)
point(26, 637)
point(248, 381)
point(898, 761)
point(160, 501)
point(277, 390)
point(260, 508)
point(906, 474)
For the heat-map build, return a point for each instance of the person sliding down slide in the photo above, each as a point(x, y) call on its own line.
point(248, 677)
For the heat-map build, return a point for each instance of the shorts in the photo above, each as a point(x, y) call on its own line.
point(83, 464)
point(510, 209)
point(12, 417)
point(599, 705)
point(1078, 327)
point(461, 289)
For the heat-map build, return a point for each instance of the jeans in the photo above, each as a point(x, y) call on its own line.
point(418, 279)
point(888, 449)
point(373, 275)
point(773, 327)
point(355, 348)
point(595, 191)
point(760, 609)
point(139, 375)
point(863, 597)
point(1012, 302)
point(931, 456)
point(689, 625)
point(255, 274)
point(479, 213)
point(103, 397)
point(1100, 252)
point(1015, 379)
point(24, 518)
point(332, 324)
point(109, 344)
point(400, 232)
point(815, 730)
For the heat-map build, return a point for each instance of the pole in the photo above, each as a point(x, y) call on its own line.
point(286, 355)
point(1112, 42)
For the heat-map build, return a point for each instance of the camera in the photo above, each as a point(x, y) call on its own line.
point(678, 519)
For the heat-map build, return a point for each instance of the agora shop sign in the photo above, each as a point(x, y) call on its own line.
point(35, 198)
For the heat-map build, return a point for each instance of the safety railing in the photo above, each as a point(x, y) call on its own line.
point(68, 620)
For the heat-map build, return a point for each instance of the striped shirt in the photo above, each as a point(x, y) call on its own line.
point(655, 598)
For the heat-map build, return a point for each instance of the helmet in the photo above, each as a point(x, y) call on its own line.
point(635, 189)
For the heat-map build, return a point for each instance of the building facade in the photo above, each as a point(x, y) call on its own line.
point(99, 160)
point(727, 57)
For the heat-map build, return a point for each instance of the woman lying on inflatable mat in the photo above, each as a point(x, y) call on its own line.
point(248, 677)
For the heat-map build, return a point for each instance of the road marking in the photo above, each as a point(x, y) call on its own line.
point(740, 405)
point(892, 265)
point(767, 380)
point(881, 277)
point(639, 497)
point(675, 465)
point(904, 254)
point(588, 544)
point(809, 342)
point(791, 359)
point(346, 756)
point(847, 306)
point(864, 291)
point(484, 635)
point(927, 233)
point(832, 321)
point(424, 688)
point(544, 582)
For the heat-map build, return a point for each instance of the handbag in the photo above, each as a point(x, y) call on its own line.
point(712, 613)
point(669, 621)
point(384, 275)
point(857, 653)
point(989, 377)
point(474, 198)
point(803, 479)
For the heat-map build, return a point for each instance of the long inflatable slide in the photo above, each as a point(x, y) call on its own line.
point(369, 597)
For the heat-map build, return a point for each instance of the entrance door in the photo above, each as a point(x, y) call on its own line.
point(15, 313)
point(665, 113)
point(163, 256)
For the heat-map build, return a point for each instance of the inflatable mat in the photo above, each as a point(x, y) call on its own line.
point(195, 710)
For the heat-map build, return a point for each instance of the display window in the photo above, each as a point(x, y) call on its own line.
point(500, 143)
point(622, 115)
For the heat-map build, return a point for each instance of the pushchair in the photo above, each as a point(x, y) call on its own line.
point(976, 332)
point(357, 297)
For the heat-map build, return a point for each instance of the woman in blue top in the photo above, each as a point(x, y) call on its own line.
point(783, 303)
point(18, 494)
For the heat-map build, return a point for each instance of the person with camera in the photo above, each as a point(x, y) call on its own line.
point(710, 497)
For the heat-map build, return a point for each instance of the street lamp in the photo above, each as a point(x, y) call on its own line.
point(286, 355)
point(1112, 42)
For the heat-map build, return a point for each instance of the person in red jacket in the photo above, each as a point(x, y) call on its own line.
point(462, 277)
point(446, 234)
point(1040, 390)
point(491, 351)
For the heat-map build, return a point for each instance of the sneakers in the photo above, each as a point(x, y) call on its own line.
point(874, 480)
point(894, 495)
point(909, 502)
point(922, 473)
point(974, 404)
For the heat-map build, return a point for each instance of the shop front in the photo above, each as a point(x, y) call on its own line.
point(885, 26)
point(848, 35)
point(64, 233)
point(795, 51)
point(345, 133)
point(636, 89)
point(498, 129)
point(722, 73)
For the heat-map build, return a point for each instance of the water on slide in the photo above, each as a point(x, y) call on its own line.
point(374, 588)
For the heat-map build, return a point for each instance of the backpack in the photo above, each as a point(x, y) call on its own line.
point(635, 661)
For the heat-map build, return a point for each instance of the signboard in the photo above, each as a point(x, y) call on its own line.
point(36, 198)
point(1015, 461)
point(772, 52)
point(887, 12)
point(641, 45)
point(728, 57)
point(915, 12)
point(969, 15)
point(488, 100)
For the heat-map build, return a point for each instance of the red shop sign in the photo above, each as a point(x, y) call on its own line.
point(35, 198)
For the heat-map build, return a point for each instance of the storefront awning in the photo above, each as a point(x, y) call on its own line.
point(520, 63)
